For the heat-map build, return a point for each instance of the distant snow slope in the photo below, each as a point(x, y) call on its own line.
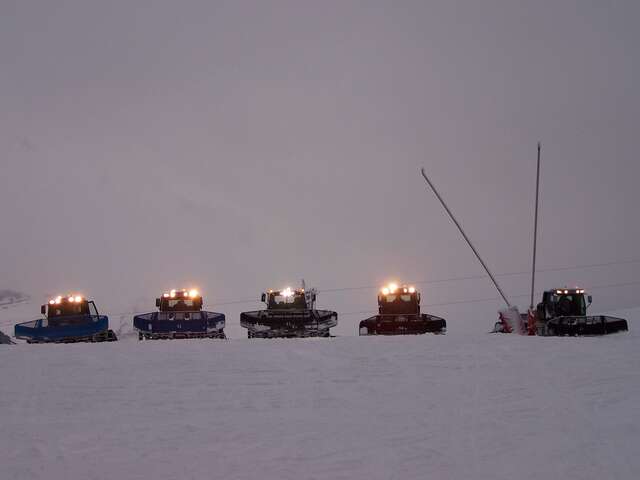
point(458, 406)
point(8, 297)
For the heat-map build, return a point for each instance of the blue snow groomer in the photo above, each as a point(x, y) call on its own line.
point(67, 319)
point(180, 315)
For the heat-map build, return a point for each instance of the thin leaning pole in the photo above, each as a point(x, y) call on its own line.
point(484, 265)
point(535, 230)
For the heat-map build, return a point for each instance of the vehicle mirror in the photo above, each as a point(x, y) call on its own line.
point(157, 302)
point(589, 299)
point(263, 298)
point(418, 297)
point(43, 309)
point(314, 297)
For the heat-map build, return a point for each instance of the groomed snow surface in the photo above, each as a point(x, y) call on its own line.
point(458, 406)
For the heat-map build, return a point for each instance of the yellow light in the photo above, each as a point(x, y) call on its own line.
point(166, 295)
point(78, 298)
point(172, 293)
point(385, 291)
point(193, 293)
point(286, 292)
point(71, 299)
point(412, 289)
point(393, 287)
point(566, 291)
point(51, 302)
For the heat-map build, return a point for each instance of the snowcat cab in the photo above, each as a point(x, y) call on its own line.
point(67, 310)
point(563, 302)
point(289, 313)
point(180, 301)
point(399, 314)
point(563, 311)
point(180, 315)
point(288, 299)
point(67, 319)
point(404, 300)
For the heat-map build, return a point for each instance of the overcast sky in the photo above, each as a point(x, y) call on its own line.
point(242, 145)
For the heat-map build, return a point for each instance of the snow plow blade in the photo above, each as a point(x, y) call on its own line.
point(402, 325)
point(288, 324)
point(169, 325)
point(83, 328)
point(589, 325)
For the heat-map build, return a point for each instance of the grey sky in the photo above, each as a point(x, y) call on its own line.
point(242, 145)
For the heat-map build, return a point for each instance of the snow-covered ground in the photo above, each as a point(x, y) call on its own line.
point(459, 406)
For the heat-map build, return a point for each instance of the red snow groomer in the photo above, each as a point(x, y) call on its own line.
point(399, 314)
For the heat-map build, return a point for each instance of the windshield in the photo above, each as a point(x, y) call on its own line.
point(68, 309)
point(178, 305)
point(568, 305)
point(393, 298)
point(277, 301)
point(404, 303)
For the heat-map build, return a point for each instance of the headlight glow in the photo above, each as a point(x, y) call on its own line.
point(286, 292)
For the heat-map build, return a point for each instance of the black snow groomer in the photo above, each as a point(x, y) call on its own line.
point(67, 319)
point(563, 311)
point(180, 315)
point(399, 314)
point(289, 314)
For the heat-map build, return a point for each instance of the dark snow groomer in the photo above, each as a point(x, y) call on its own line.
point(67, 319)
point(289, 313)
point(563, 311)
point(180, 315)
point(399, 314)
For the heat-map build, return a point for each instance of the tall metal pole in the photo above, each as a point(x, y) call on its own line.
point(504, 297)
point(535, 230)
